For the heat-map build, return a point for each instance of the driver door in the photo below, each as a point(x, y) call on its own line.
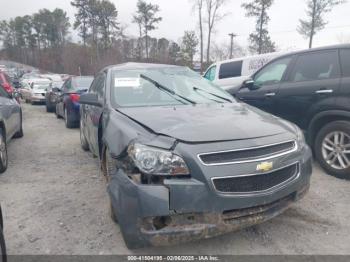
point(266, 84)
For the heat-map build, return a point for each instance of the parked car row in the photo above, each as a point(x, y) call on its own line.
point(165, 135)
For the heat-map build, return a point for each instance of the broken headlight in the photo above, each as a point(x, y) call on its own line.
point(154, 161)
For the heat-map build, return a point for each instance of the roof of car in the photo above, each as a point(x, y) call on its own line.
point(342, 46)
point(132, 66)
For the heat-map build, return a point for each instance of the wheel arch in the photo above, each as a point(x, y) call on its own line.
point(323, 118)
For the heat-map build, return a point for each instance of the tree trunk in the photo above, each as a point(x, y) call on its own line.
point(200, 6)
point(261, 29)
point(208, 47)
point(146, 35)
point(312, 31)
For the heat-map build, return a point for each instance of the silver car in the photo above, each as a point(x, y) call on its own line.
point(10, 124)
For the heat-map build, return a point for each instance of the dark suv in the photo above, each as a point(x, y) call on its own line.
point(312, 89)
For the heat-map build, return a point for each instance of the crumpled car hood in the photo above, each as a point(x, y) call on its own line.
point(207, 123)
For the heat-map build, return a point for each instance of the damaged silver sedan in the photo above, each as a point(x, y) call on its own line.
point(185, 161)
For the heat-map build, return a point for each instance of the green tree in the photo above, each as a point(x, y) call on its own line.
point(189, 47)
point(260, 41)
point(82, 19)
point(146, 17)
point(107, 21)
point(174, 53)
point(316, 9)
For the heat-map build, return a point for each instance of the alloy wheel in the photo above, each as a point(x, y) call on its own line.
point(336, 150)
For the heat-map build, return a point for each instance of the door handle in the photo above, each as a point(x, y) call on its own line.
point(271, 94)
point(324, 91)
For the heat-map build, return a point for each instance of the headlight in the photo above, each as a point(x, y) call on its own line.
point(155, 161)
point(300, 136)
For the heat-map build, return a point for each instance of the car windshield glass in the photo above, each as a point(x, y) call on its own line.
point(82, 83)
point(168, 86)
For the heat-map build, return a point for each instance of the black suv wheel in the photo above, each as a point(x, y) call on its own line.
point(332, 148)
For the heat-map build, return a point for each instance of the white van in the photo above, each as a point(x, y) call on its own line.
point(230, 74)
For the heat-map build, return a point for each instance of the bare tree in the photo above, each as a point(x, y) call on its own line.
point(316, 9)
point(198, 7)
point(222, 51)
point(213, 16)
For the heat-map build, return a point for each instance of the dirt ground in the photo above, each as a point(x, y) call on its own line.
point(55, 202)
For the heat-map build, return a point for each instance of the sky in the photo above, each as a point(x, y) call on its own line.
point(178, 16)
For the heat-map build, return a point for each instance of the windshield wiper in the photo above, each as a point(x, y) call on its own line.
point(164, 88)
point(205, 91)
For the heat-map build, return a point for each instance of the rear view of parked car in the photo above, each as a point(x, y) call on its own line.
point(183, 159)
point(3, 257)
point(312, 89)
point(230, 74)
point(52, 96)
point(34, 90)
point(68, 105)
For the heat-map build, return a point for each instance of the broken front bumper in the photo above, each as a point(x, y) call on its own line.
point(187, 209)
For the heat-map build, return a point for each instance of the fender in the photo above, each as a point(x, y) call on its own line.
point(329, 113)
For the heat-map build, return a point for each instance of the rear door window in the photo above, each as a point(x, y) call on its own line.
point(232, 69)
point(345, 61)
point(316, 66)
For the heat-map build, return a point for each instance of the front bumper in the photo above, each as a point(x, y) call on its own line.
point(38, 98)
point(186, 209)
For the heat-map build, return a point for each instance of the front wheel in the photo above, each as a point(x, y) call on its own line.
point(332, 149)
point(67, 119)
point(3, 152)
point(83, 141)
point(49, 107)
point(19, 133)
point(57, 113)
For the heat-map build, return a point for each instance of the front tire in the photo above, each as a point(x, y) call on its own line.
point(3, 152)
point(19, 133)
point(57, 113)
point(332, 149)
point(83, 141)
point(50, 108)
point(108, 165)
point(67, 119)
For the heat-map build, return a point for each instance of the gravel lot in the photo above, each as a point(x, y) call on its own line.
point(55, 202)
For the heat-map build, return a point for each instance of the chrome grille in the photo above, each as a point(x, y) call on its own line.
point(247, 154)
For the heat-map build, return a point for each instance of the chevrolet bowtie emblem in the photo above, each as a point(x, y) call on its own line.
point(264, 167)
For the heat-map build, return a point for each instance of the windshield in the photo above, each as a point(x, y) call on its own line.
point(162, 87)
point(82, 83)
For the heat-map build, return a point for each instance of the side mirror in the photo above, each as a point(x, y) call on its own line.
point(250, 84)
point(56, 90)
point(90, 99)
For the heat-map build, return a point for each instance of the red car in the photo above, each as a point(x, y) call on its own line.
point(5, 81)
